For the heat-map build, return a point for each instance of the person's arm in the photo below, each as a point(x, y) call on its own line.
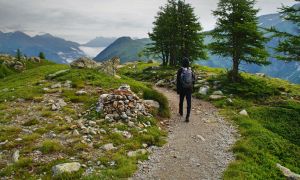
point(194, 77)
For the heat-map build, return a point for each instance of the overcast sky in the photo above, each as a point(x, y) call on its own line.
point(82, 20)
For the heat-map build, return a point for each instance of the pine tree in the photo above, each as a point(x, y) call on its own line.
point(19, 55)
point(176, 34)
point(42, 55)
point(289, 46)
point(237, 35)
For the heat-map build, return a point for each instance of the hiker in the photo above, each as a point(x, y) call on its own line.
point(185, 83)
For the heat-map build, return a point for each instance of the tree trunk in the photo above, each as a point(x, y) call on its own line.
point(235, 70)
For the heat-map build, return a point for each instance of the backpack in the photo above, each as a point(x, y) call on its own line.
point(186, 78)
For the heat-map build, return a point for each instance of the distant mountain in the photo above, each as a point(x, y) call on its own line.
point(55, 49)
point(100, 42)
point(125, 48)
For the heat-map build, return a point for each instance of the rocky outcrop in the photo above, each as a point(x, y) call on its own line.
point(84, 62)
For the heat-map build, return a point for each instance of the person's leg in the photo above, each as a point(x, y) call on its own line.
point(189, 105)
point(181, 96)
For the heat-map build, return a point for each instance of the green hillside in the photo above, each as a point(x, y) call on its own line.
point(44, 137)
point(269, 134)
point(125, 48)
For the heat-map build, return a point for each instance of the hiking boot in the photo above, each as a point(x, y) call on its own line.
point(180, 114)
point(187, 120)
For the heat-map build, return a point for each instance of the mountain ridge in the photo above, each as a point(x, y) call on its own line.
point(55, 48)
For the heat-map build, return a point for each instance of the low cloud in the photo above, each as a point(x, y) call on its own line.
point(81, 21)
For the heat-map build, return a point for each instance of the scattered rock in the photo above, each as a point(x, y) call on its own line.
point(218, 93)
point(65, 168)
point(124, 87)
point(160, 83)
point(229, 100)
point(76, 133)
point(127, 134)
point(55, 86)
point(58, 73)
point(260, 74)
point(58, 105)
point(216, 97)
point(135, 153)
point(244, 113)
point(81, 92)
point(200, 137)
point(288, 173)
point(204, 90)
point(68, 84)
point(35, 59)
point(68, 119)
point(108, 147)
point(3, 143)
point(151, 104)
point(16, 156)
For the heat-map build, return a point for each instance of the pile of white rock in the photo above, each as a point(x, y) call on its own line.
point(124, 105)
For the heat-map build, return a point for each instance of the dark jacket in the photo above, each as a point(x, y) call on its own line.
point(179, 87)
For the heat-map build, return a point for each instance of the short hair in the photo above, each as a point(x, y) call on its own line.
point(185, 62)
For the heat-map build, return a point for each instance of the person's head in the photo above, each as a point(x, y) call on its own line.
point(185, 62)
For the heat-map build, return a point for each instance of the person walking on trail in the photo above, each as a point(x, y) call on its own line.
point(185, 82)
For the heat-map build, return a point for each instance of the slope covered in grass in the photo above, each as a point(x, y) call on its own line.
point(47, 137)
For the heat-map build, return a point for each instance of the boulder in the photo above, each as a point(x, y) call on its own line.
point(288, 173)
point(229, 101)
point(35, 59)
point(216, 97)
point(81, 92)
point(84, 62)
point(135, 153)
point(16, 156)
point(65, 168)
point(243, 113)
point(218, 93)
point(151, 104)
point(204, 90)
point(108, 147)
point(260, 74)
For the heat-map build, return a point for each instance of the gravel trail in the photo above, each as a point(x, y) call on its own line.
point(196, 150)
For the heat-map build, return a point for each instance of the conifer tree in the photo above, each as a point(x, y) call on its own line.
point(237, 35)
point(289, 46)
point(176, 34)
point(42, 55)
point(19, 55)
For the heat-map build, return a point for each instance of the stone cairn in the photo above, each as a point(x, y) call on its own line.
point(123, 105)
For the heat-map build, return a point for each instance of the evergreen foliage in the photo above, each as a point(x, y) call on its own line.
point(19, 55)
point(42, 55)
point(289, 47)
point(176, 34)
point(237, 35)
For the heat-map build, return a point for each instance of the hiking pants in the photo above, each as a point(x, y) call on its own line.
point(188, 96)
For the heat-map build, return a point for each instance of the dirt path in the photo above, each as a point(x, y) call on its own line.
point(195, 150)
